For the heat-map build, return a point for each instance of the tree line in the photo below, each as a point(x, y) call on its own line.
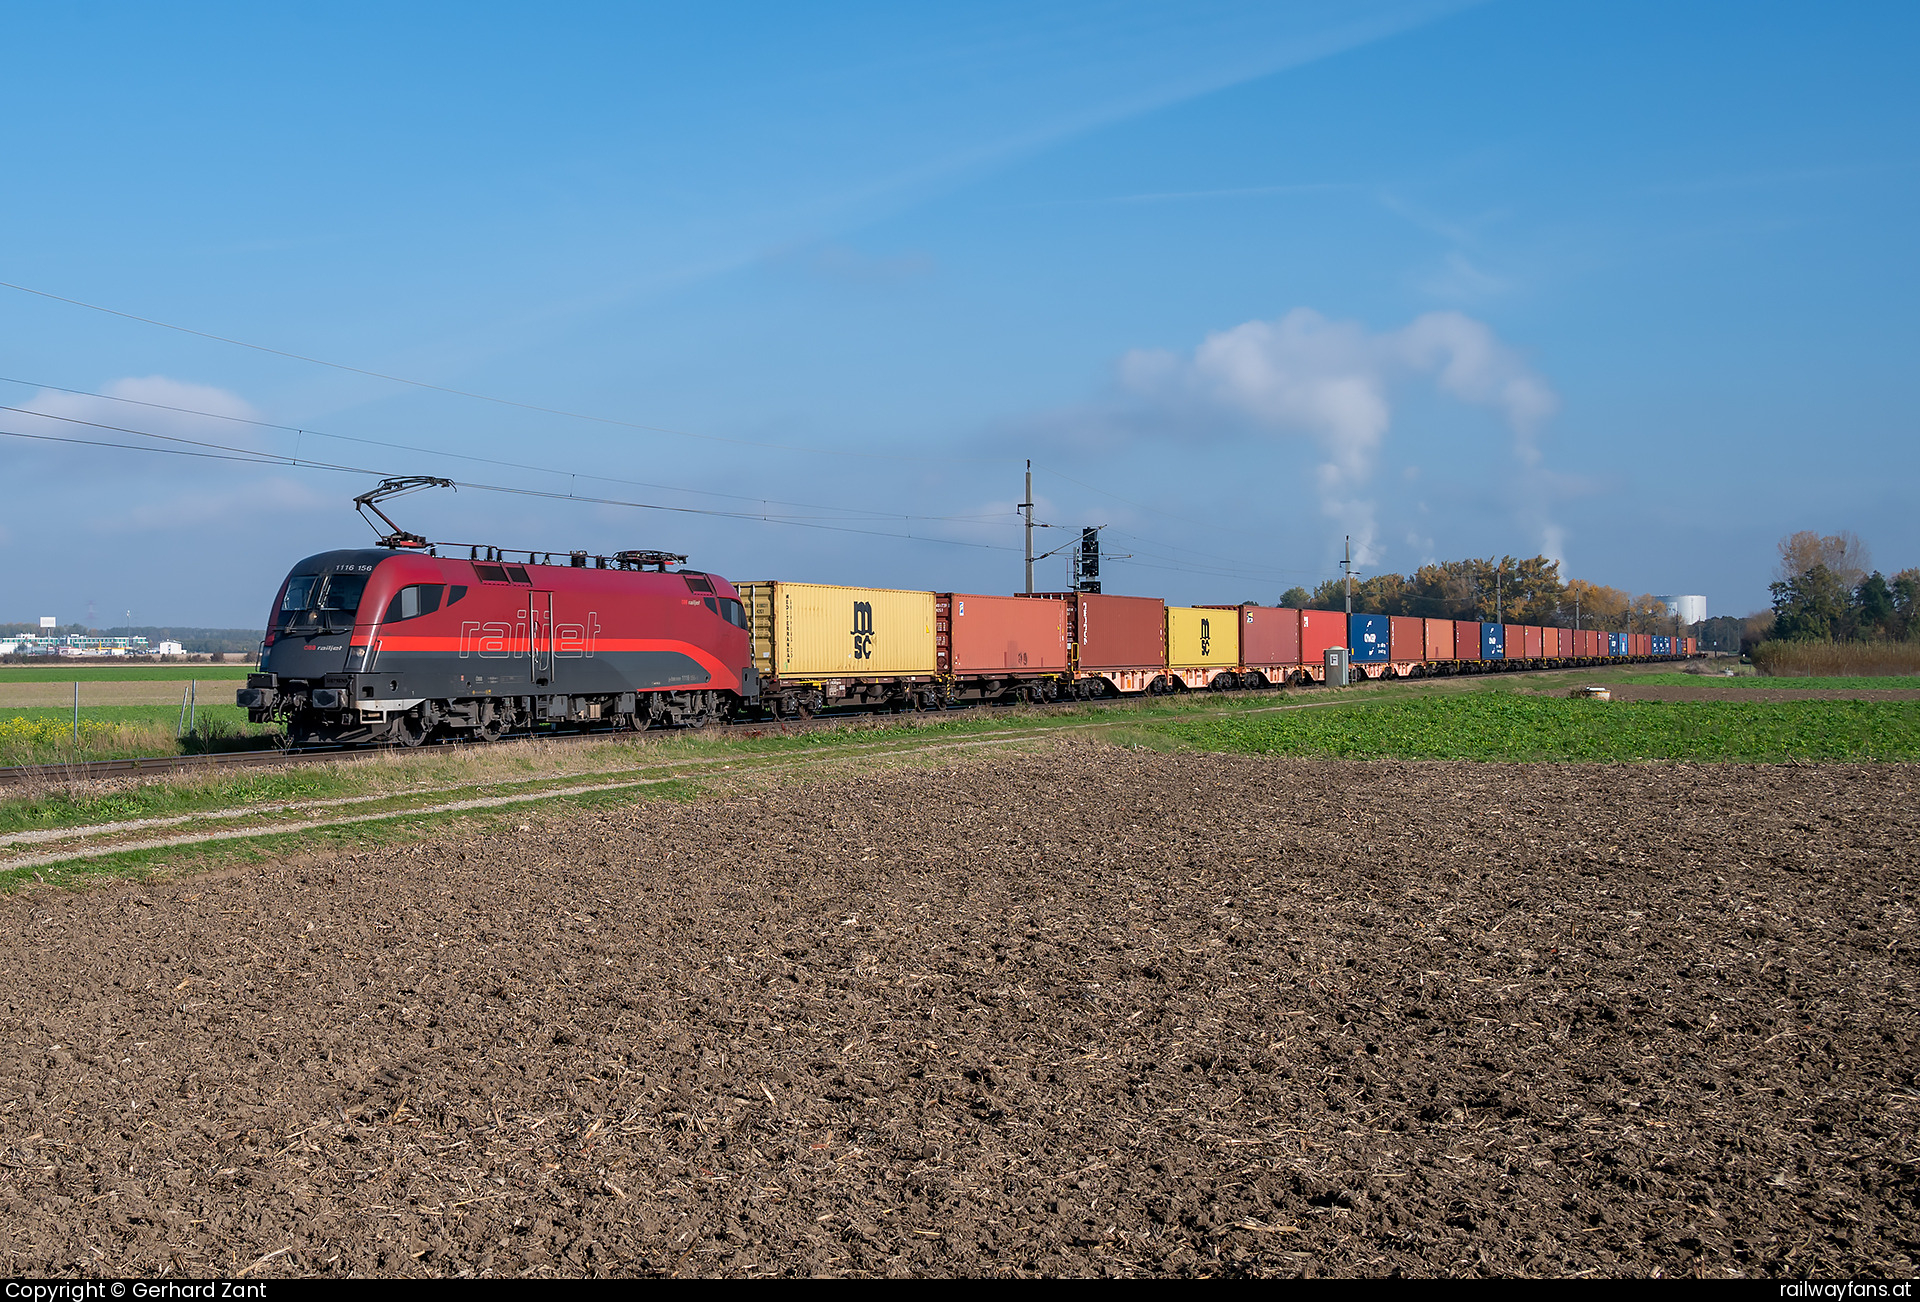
point(1497, 589)
point(1824, 590)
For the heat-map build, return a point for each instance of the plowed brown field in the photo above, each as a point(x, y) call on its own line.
point(1085, 1012)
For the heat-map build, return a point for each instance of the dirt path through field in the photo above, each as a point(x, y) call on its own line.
point(1088, 1011)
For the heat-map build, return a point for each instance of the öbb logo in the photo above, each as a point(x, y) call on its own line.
point(863, 630)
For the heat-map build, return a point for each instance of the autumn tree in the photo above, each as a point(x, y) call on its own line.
point(1843, 555)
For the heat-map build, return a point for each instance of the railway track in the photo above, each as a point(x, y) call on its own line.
point(156, 765)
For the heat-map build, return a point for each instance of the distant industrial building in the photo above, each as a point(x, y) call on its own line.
point(1691, 610)
point(75, 644)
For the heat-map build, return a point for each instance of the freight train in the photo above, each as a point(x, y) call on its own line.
point(398, 645)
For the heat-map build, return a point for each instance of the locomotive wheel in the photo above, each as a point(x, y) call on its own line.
point(409, 731)
point(493, 729)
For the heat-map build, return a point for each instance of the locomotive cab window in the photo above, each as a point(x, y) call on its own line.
point(456, 592)
point(342, 592)
point(733, 612)
point(301, 589)
point(315, 600)
point(414, 600)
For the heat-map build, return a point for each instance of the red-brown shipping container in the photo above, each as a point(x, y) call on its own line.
point(1120, 632)
point(1535, 640)
point(1269, 635)
point(1319, 630)
point(1466, 639)
point(1406, 638)
point(1550, 643)
point(1439, 639)
point(976, 634)
point(1515, 641)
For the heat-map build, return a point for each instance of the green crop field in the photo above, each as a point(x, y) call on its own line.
point(1749, 682)
point(1502, 726)
point(115, 674)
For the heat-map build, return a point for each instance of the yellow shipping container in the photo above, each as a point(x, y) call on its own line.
point(1202, 639)
point(805, 631)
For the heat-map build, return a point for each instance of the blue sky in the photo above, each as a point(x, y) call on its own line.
point(1628, 283)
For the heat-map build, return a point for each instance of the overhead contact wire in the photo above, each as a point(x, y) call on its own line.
point(467, 393)
point(251, 457)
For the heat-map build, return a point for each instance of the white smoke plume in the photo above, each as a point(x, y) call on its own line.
point(1333, 381)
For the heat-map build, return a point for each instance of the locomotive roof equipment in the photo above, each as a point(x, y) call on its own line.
point(396, 537)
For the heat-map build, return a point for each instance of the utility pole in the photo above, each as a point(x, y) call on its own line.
point(1347, 565)
point(1027, 506)
point(1499, 579)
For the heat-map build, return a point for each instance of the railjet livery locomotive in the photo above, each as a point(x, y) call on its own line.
point(397, 646)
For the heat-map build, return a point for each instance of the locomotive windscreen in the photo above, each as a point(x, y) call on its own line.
point(312, 597)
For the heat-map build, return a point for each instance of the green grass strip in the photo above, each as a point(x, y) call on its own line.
point(1501, 726)
point(115, 674)
point(1908, 683)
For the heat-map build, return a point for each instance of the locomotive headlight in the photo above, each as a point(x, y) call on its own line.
point(356, 658)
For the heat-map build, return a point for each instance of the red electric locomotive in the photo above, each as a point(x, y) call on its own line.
point(371, 646)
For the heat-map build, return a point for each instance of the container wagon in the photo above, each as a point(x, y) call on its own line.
point(1119, 644)
point(1320, 631)
point(1203, 647)
point(1369, 644)
point(1407, 641)
point(819, 645)
point(1269, 645)
point(1002, 648)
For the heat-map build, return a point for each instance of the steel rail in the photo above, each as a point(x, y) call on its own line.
point(87, 770)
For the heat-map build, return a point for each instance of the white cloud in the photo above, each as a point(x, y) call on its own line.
point(148, 405)
point(1333, 381)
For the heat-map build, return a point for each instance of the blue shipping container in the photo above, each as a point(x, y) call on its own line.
point(1493, 641)
point(1616, 644)
point(1663, 646)
point(1367, 635)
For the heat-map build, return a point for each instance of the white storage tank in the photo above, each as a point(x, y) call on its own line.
point(1691, 610)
